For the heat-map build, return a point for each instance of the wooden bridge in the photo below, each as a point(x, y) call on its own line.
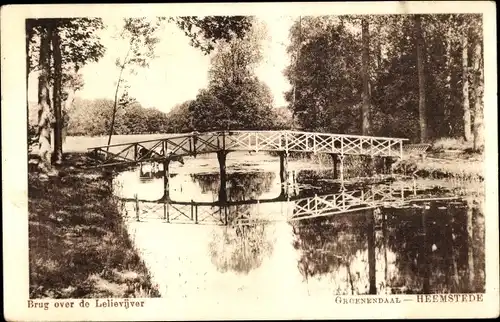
point(281, 142)
point(195, 143)
point(297, 208)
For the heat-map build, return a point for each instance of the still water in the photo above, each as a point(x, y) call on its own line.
point(316, 241)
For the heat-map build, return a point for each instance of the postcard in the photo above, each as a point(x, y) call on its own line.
point(260, 161)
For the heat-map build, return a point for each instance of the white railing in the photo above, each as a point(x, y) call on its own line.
point(209, 142)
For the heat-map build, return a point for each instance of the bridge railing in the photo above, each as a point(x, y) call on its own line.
point(195, 143)
point(295, 141)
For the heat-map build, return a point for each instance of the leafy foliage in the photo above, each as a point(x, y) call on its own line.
point(326, 73)
point(93, 117)
point(205, 32)
point(80, 42)
point(235, 98)
point(326, 77)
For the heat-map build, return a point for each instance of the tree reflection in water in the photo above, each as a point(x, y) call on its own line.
point(429, 248)
point(330, 245)
point(239, 247)
point(240, 186)
point(433, 248)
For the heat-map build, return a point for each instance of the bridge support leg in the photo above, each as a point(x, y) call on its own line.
point(137, 214)
point(166, 191)
point(221, 157)
point(284, 172)
point(166, 177)
point(335, 160)
point(388, 162)
point(341, 169)
point(372, 166)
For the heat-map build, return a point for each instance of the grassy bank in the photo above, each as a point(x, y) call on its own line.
point(463, 167)
point(447, 158)
point(78, 244)
point(80, 144)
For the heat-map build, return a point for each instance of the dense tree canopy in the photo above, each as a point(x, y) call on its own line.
point(327, 74)
point(93, 117)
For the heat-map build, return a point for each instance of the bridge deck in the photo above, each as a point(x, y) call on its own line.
point(196, 143)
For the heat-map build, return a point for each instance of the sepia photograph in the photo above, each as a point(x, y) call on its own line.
point(252, 163)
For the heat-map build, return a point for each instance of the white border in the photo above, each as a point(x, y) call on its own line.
point(14, 166)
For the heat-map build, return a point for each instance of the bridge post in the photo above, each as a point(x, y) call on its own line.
point(388, 162)
point(221, 157)
point(372, 166)
point(341, 159)
point(136, 207)
point(166, 177)
point(335, 159)
point(283, 171)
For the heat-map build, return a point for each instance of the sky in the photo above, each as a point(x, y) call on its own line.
point(180, 70)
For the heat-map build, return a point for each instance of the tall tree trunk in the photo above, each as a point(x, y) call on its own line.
point(45, 116)
point(465, 87)
point(447, 128)
point(372, 267)
point(365, 110)
point(386, 262)
point(470, 243)
point(425, 254)
point(378, 54)
point(478, 142)
point(56, 100)
point(454, 278)
point(29, 34)
point(421, 78)
point(70, 99)
point(115, 104)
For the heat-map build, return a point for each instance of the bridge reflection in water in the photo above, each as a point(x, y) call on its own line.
point(295, 206)
point(385, 238)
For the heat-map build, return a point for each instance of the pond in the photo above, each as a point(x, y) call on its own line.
point(308, 238)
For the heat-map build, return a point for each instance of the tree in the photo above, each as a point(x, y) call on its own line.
point(45, 114)
point(419, 39)
point(328, 86)
point(465, 86)
point(80, 45)
point(209, 113)
point(142, 40)
point(235, 61)
point(178, 120)
point(56, 52)
point(235, 98)
point(72, 43)
point(478, 142)
point(205, 32)
point(365, 36)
